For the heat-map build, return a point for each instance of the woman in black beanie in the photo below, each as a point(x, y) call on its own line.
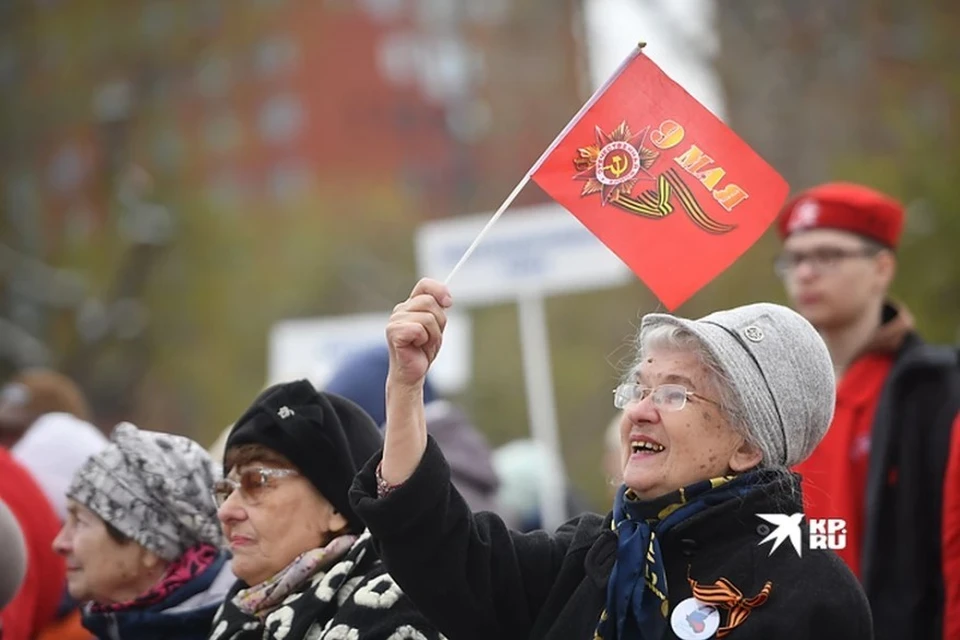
point(306, 567)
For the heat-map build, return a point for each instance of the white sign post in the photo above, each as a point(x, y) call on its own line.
point(530, 254)
point(313, 348)
point(541, 406)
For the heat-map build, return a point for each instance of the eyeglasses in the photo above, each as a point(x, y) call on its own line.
point(251, 484)
point(666, 397)
point(820, 260)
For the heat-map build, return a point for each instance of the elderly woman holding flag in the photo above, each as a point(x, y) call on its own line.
point(705, 538)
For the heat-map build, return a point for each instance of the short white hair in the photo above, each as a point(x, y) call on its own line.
point(675, 338)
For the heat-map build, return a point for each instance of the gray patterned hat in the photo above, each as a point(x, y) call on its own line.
point(155, 488)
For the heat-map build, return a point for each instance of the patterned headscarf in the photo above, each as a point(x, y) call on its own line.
point(155, 488)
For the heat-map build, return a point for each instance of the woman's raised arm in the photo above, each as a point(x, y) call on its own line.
point(414, 334)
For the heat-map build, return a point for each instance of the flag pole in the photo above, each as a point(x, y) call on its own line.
point(553, 145)
point(503, 207)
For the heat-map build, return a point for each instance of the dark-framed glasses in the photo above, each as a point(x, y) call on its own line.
point(821, 260)
point(251, 483)
point(666, 397)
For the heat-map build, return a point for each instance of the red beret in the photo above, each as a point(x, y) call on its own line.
point(847, 207)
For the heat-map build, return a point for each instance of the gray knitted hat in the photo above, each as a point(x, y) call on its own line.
point(156, 488)
point(779, 368)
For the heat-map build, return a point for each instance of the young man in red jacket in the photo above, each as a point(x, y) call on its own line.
point(951, 538)
point(882, 465)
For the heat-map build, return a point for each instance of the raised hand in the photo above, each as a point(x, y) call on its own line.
point(415, 332)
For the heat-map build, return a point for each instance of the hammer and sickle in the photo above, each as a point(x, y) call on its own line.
point(617, 166)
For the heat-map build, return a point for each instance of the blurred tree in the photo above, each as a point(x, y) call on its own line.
point(295, 147)
point(860, 90)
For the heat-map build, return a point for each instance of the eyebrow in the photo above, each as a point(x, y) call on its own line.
point(244, 466)
point(240, 469)
point(670, 378)
point(827, 247)
point(676, 378)
point(253, 465)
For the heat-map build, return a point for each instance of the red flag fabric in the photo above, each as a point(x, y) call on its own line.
point(661, 181)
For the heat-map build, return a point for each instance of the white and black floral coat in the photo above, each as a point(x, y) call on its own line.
point(355, 599)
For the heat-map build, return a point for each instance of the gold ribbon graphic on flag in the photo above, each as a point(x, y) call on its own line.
point(629, 163)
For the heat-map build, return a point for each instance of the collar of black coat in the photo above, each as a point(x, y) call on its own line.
point(896, 326)
point(734, 519)
point(185, 613)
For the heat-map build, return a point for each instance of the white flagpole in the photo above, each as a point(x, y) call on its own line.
point(553, 145)
point(506, 203)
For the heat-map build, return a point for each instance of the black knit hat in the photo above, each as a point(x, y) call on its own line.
point(327, 437)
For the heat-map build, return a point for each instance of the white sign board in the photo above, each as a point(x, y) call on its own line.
point(540, 250)
point(313, 348)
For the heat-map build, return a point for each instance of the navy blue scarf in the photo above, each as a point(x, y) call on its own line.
point(157, 622)
point(637, 601)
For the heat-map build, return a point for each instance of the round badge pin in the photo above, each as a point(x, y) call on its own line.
point(694, 620)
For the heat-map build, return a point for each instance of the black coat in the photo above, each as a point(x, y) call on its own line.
point(901, 560)
point(474, 578)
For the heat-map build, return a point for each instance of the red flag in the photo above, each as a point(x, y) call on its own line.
point(661, 181)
